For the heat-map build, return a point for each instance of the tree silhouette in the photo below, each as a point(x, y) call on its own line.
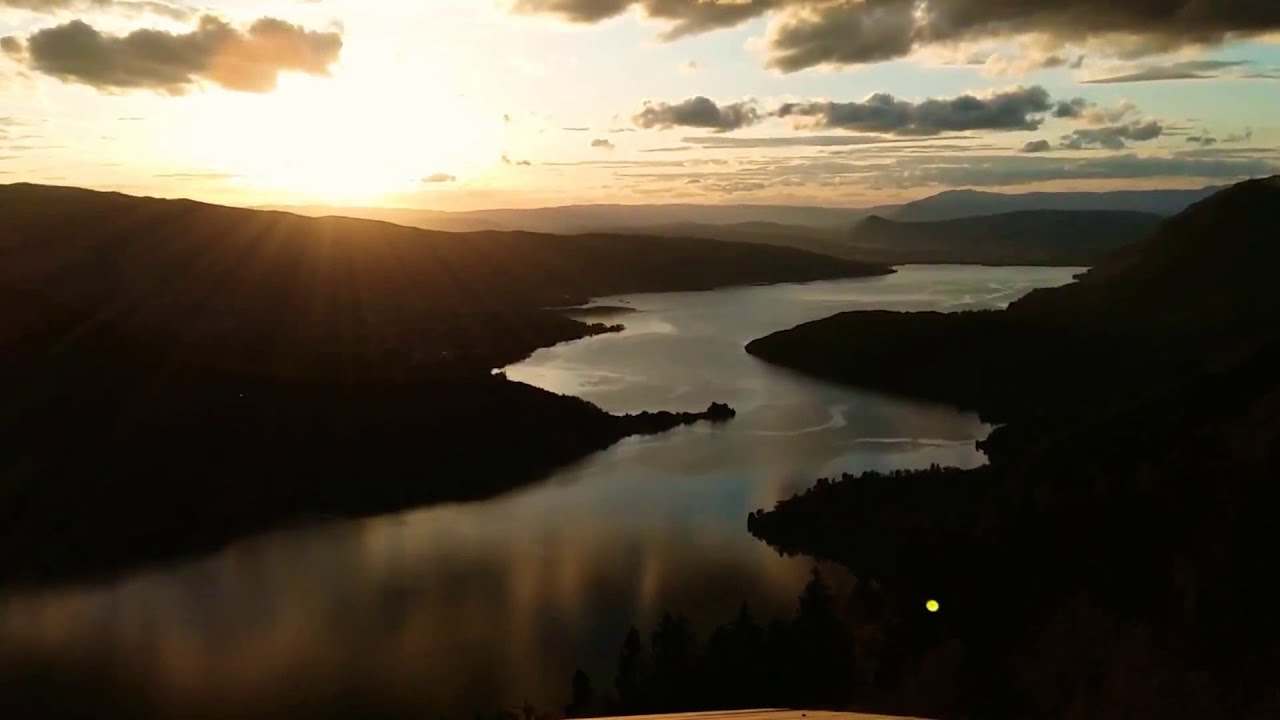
point(674, 653)
point(584, 696)
point(632, 671)
point(821, 646)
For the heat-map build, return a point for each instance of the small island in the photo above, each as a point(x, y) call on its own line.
point(652, 423)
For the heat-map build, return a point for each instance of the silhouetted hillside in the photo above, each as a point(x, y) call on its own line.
point(1107, 563)
point(954, 204)
point(1033, 237)
point(179, 373)
point(278, 290)
point(1196, 288)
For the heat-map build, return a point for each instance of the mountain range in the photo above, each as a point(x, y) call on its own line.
point(948, 205)
point(960, 226)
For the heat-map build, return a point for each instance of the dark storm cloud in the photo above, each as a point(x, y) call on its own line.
point(127, 7)
point(698, 112)
point(1021, 108)
point(1113, 137)
point(807, 33)
point(248, 61)
point(602, 144)
point(1037, 146)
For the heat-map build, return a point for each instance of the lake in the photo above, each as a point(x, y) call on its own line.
point(470, 607)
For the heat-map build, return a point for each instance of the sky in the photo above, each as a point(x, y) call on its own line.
point(470, 104)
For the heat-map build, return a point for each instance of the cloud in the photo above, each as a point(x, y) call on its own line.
point(1020, 108)
point(809, 33)
point(1073, 108)
point(1037, 146)
point(1202, 140)
point(602, 144)
point(684, 17)
point(721, 141)
point(12, 47)
point(124, 7)
point(1093, 113)
point(697, 112)
point(198, 176)
point(891, 168)
point(439, 178)
point(1186, 70)
point(247, 61)
point(1113, 137)
point(812, 32)
point(1019, 170)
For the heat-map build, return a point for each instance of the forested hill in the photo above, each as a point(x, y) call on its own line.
point(178, 374)
point(1197, 288)
point(1108, 561)
point(267, 289)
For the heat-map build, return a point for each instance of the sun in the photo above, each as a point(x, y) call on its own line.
point(347, 139)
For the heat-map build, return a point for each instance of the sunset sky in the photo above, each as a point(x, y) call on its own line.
point(465, 104)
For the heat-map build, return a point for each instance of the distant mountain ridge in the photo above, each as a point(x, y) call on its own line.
point(947, 205)
point(954, 204)
point(1202, 283)
point(575, 219)
point(1027, 237)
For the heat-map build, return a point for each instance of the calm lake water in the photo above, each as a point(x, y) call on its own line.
point(495, 603)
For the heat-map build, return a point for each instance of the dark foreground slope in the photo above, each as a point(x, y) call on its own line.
point(1108, 562)
point(1032, 237)
point(176, 373)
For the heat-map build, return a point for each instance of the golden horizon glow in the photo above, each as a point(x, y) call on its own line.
point(355, 137)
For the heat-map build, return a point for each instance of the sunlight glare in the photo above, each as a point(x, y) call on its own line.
point(347, 139)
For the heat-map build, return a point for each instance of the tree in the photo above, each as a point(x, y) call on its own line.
point(632, 672)
point(584, 696)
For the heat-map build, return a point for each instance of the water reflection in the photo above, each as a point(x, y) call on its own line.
point(463, 608)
